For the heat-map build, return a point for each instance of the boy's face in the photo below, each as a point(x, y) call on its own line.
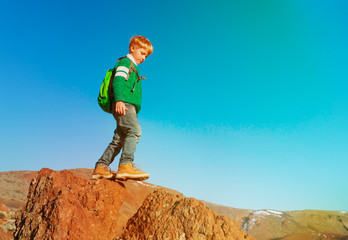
point(139, 54)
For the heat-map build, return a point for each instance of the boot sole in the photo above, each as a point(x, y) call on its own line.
point(125, 177)
point(97, 176)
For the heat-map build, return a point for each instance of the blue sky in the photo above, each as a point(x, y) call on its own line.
point(245, 102)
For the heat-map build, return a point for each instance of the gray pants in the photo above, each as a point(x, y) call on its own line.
point(126, 136)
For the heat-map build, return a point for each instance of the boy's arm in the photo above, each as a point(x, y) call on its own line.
point(118, 85)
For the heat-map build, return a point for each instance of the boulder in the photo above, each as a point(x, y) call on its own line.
point(168, 216)
point(62, 205)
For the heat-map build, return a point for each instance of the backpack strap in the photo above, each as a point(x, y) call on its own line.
point(132, 69)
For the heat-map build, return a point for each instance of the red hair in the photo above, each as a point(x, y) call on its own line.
point(141, 42)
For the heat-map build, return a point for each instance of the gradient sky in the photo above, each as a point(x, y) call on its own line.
point(245, 102)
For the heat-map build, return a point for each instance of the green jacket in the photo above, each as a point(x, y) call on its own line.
point(127, 87)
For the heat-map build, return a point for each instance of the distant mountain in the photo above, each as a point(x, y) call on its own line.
point(288, 225)
point(270, 224)
point(262, 224)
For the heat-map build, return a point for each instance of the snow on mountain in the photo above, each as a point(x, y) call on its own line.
point(267, 213)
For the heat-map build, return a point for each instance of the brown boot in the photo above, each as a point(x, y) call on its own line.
point(102, 171)
point(128, 171)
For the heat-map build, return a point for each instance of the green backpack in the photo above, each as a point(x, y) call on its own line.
point(106, 94)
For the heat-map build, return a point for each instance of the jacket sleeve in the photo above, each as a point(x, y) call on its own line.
point(121, 76)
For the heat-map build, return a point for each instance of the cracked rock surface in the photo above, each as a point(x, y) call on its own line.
point(168, 216)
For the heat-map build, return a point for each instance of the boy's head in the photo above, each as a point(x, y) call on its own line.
point(140, 48)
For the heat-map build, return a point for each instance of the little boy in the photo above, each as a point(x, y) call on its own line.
point(126, 104)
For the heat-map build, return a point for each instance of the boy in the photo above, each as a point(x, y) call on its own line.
point(126, 104)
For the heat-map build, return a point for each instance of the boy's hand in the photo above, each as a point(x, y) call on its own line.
point(120, 108)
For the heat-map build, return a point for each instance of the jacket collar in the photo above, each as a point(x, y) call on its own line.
point(132, 59)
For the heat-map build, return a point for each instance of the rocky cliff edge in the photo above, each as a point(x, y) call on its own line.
point(62, 205)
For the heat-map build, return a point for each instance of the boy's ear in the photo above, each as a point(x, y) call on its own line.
point(131, 49)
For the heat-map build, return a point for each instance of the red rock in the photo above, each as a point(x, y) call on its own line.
point(168, 216)
point(59, 198)
point(62, 205)
point(5, 235)
point(136, 192)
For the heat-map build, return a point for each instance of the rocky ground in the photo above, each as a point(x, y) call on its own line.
point(54, 197)
point(62, 205)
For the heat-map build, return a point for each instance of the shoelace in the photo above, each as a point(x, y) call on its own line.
point(136, 167)
point(107, 168)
